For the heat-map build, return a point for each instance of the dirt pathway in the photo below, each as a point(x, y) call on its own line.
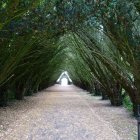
point(61, 113)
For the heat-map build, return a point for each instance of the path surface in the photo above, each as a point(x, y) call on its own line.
point(62, 113)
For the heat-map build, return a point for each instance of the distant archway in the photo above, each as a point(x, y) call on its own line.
point(64, 82)
point(64, 79)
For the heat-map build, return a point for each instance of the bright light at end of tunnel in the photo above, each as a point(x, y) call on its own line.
point(64, 82)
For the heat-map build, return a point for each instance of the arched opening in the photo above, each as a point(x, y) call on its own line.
point(64, 79)
point(64, 82)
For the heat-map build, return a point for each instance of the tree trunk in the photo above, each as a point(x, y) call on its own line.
point(19, 95)
point(97, 89)
point(116, 98)
point(136, 110)
point(103, 94)
point(3, 97)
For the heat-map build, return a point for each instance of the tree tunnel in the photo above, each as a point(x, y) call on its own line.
point(96, 41)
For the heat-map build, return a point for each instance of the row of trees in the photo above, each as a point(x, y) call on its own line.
point(96, 41)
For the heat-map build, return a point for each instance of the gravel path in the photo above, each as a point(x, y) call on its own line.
point(65, 113)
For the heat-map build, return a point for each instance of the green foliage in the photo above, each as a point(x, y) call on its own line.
point(10, 94)
point(95, 41)
point(127, 103)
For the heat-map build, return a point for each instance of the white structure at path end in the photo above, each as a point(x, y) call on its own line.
point(64, 79)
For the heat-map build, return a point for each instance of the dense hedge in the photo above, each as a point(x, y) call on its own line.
point(97, 42)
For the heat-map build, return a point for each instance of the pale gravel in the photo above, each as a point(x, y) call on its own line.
point(65, 113)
